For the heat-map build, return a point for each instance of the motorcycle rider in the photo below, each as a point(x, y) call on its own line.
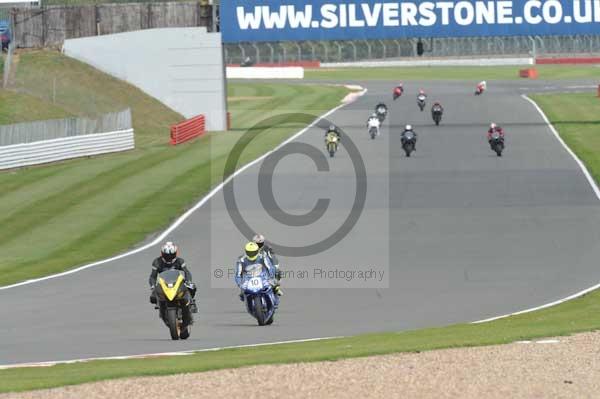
point(373, 121)
point(495, 129)
point(399, 90)
point(169, 259)
point(437, 109)
point(408, 128)
point(267, 251)
point(252, 256)
point(421, 97)
point(333, 129)
point(481, 87)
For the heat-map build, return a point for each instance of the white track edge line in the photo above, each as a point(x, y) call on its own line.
point(596, 190)
point(188, 213)
point(163, 354)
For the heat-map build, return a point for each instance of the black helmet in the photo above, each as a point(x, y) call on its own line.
point(168, 252)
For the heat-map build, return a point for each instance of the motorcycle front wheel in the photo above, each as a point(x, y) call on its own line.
point(172, 323)
point(258, 310)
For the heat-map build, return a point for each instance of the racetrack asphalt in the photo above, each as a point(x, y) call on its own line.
point(458, 233)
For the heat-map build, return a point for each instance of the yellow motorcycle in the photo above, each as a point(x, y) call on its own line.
point(174, 303)
point(331, 143)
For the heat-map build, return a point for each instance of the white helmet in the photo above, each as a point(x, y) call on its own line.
point(493, 126)
point(169, 252)
point(259, 240)
point(408, 127)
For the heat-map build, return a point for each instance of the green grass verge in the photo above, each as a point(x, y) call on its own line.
point(576, 118)
point(451, 73)
point(581, 314)
point(84, 210)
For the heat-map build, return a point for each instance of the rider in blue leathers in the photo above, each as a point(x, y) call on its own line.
point(253, 256)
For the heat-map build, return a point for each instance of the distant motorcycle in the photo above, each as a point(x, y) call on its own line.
point(397, 92)
point(381, 111)
point(331, 143)
point(421, 101)
point(261, 301)
point(437, 116)
point(497, 143)
point(174, 303)
point(409, 141)
point(480, 88)
point(373, 132)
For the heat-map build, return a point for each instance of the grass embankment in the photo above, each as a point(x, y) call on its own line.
point(451, 73)
point(18, 107)
point(59, 216)
point(576, 116)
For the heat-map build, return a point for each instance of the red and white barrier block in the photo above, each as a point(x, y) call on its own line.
point(187, 130)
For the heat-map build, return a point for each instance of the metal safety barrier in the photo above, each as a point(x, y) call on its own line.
point(39, 152)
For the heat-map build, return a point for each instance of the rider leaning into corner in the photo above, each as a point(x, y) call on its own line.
point(169, 259)
point(399, 89)
point(481, 87)
point(373, 121)
point(252, 256)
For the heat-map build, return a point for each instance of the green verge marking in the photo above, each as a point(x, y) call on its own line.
point(450, 73)
point(576, 117)
point(83, 210)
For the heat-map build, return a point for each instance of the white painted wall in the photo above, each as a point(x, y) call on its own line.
point(181, 67)
point(265, 73)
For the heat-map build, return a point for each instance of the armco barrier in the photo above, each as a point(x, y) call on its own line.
point(567, 60)
point(187, 130)
point(39, 152)
point(513, 61)
point(303, 64)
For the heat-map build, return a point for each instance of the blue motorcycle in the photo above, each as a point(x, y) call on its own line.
point(261, 301)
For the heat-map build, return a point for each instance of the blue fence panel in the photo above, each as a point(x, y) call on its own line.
point(282, 20)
